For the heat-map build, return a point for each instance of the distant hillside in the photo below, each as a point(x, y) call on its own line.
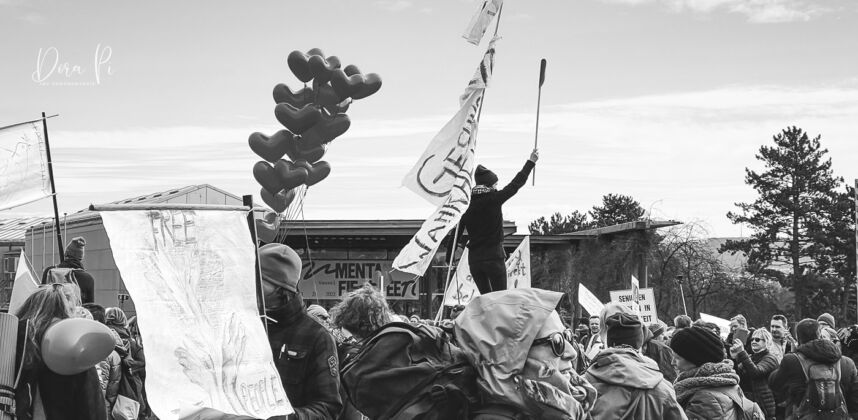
point(734, 262)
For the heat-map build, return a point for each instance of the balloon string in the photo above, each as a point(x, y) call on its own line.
point(307, 241)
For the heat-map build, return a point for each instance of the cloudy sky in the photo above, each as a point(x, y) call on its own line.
point(663, 100)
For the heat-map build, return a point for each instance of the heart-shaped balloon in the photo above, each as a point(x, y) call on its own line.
point(290, 174)
point(318, 172)
point(282, 94)
point(327, 98)
point(344, 85)
point(298, 63)
point(278, 202)
point(267, 177)
point(315, 51)
point(371, 84)
point(73, 345)
point(297, 120)
point(351, 70)
point(267, 227)
point(270, 148)
point(326, 130)
point(304, 164)
point(298, 151)
point(322, 67)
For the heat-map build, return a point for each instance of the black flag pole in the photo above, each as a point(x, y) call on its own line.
point(542, 65)
point(53, 190)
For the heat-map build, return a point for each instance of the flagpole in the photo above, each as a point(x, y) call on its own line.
point(542, 65)
point(450, 264)
point(53, 189)
point(856, 245)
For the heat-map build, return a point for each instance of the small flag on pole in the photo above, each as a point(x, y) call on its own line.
point(25, 283)
point(481, 21)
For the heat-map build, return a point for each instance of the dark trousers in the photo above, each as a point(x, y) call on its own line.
point(489, 275)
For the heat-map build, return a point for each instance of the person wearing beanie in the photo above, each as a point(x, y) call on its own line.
point(789, 381)
point(70, 270)
point(707, 386)
point(304, 351)
point(826, 320)
point(483, 221)
point(630, 385)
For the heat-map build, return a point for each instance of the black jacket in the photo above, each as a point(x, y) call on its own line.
point(84, 279)
point(789, 383)
point(484, 219)
point(306, 358)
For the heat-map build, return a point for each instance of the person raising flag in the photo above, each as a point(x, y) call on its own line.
point(484, 222)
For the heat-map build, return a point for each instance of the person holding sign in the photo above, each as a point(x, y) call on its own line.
point(484, 223)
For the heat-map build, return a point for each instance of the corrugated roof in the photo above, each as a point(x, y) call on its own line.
point(14, 230)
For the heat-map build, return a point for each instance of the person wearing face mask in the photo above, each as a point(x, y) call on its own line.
point(629, 384)
point(754, 369)
point(523, 357)
point(304, 351)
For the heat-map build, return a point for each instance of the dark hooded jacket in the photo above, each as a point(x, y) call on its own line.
point(630, 387)
point(84, 279)
point(661, 354)
point(306, 358)
point(710, 392)
point(484, 219)
point(789, 383)
point(754, 371)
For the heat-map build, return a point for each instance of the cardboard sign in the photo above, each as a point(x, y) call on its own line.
point(646, 300)
point(518, 266)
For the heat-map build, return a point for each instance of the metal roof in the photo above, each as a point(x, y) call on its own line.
point(14, 230)
point(625, 227)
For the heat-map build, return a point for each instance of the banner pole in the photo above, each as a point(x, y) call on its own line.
point(542, 65)
point(247, 200)
point(53, 189)
point(449, 271)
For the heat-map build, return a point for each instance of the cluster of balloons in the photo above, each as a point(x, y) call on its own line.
point(313, 117)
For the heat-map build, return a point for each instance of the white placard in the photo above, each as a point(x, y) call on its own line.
point(462, 287)
point(646, 300)
point(589, 301)
point(518, 266)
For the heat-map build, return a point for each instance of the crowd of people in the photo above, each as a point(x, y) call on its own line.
point(505, 355)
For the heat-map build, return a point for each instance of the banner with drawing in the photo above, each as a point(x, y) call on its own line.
point(462, 287)
point(191, 275)
point(518, 266)
point(23, 165)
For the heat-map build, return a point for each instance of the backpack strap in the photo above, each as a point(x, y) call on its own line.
point(804, 367)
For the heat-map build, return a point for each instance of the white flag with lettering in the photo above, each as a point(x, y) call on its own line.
point(23, 165)
point(462, 287)
point(192, 277)
point(481, 21)
point(518, 266)
point(444, 175)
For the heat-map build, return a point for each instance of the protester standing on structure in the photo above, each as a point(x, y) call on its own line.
point(484, 223)
point(71, 270)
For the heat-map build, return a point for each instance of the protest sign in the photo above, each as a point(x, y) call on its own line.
point(192, 277)
point(23, 165)
point(646, 300)
point(589, 301)
point(723, 324)
point(333, 279)
point(518, 266)
point(462, 287)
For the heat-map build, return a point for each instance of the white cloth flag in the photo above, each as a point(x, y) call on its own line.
point(462, 287)
point(589, 301)
point(25, 283)
point(23, 165)
point(481, 20)
point(518, 266)
point(444, 175)
point(191, 276)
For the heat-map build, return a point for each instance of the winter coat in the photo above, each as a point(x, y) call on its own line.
point(484, 219)
point(754, 371)
point(662, 355)
point(710, 392)
point(110, 372)
point(306, 358)
point(630, 386)
point(84, 279)
point(788, 383)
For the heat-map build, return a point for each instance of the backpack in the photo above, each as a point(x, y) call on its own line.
point(749, 410)
point(130, 400)
point(406, 371)
point(64, 275)
point(823, 398)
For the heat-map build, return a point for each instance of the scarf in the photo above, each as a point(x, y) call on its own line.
point(708, 375)
point(481, 189)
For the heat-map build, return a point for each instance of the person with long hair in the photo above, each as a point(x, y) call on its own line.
point(42, 393)
point(754, 369)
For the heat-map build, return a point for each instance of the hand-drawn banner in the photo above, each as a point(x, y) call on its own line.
point(333, 279)
point(191, 275)
point(518, 266)
point(23, 165)
point(462, 287)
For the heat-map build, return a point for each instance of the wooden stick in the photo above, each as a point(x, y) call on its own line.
point(542, 65)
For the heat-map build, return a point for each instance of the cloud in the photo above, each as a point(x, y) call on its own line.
point(756, 11)
point(33, 18)
point(393, 5)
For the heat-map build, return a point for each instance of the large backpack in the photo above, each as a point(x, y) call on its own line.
point(406, 371)
point(823, 398)
point(748, 409)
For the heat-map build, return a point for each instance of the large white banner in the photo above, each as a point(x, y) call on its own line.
point(444, 174)
point(462, 287)
point(723, 324)
point(481, 20)
point(589, 301)
point(518, 266)
point(23, 165)
point(25, 283)
point(191, 275)
point(645, 301)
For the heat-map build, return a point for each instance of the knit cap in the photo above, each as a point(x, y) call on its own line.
point(280, 266)
point(827, 318)
point(698, 345)
point(75, 248)
point(656, 328)
point(624, 329)
point(483, 176)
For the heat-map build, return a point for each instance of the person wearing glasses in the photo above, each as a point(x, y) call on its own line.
point(629, 384)
point(523, 356)
point(754, 369)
